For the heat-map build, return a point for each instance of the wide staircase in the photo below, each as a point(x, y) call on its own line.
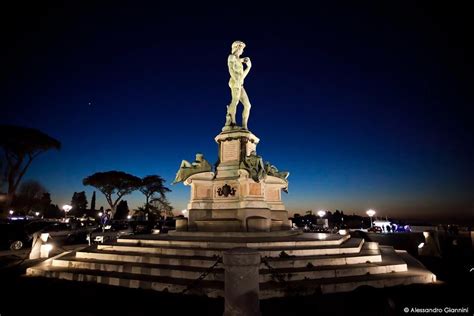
point(293, 263)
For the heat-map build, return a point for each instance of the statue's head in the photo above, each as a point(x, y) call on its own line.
point(238, 47)
point(199, 157)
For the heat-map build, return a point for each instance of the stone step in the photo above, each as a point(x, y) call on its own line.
point(214, 288)
point(235, 234)
point(130, 280)
point(217, 273)
point(415, 273)
point(286, 270)
point(346, 284)
point(316, 239)
point(134, 257)
point(145, 276)
point(352, 245)
point(365, 256)
point(174, 271)
point(368, 249)
point(390, 262)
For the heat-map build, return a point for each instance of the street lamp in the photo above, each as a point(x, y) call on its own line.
point(321, 213)
point(66, 209)
point(37, 214)
point(371, 213)
point(11, 212)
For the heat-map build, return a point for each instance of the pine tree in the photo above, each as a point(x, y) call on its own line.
point(93, 202)
point(79, 203)
point(122, 210)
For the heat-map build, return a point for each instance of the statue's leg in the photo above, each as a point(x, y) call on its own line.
point(232, 108)
point(246, 103)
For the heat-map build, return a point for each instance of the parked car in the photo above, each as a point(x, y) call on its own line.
point(164, 226)
point(17, 235)
point(142, 227)
point(375, 229)
point(111, 231)
point(70, 232)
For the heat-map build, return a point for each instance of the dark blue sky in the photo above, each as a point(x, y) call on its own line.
point(366, 106)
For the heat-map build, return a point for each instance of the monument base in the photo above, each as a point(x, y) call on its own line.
point(233, 198)
point(252, 224)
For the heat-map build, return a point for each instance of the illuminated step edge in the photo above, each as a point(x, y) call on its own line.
point(353, 245)
point(234, 242)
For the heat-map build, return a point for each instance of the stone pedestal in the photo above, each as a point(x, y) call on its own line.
point(241, 282)
point(431, 245)
point(37, 248)
point(258, 224)
point(181, 224)
point(229, 199)
point(217, 201)
point(234, 146)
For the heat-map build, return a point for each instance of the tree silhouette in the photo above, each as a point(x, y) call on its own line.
point(45, 203)
point(53, 211)
point(114, 185)
point(21, 146)
point(93, 202)
point(122, 210)
point(150, 186)
point(161, 207)
point(29, 197)
point(79, 203)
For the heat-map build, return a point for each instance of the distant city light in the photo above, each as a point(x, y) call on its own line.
point(371, 213)
point(129, 216)
point(37, 213)
point(66, 209)
point(321, 213)
point(100, 214)
point(11, 212)
point(421, 245)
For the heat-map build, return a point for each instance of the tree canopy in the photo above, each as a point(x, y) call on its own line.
point(21, 146)
point(153, 188)
point(161, 207)
point(114, 185)
point(122, 210)
point(30, 197)
point(79, 203)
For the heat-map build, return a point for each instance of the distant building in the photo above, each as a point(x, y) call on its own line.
point(322, 222)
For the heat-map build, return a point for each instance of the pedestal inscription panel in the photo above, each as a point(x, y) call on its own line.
point(231, 150)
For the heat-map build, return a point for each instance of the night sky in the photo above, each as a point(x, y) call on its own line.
point(366, 106)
